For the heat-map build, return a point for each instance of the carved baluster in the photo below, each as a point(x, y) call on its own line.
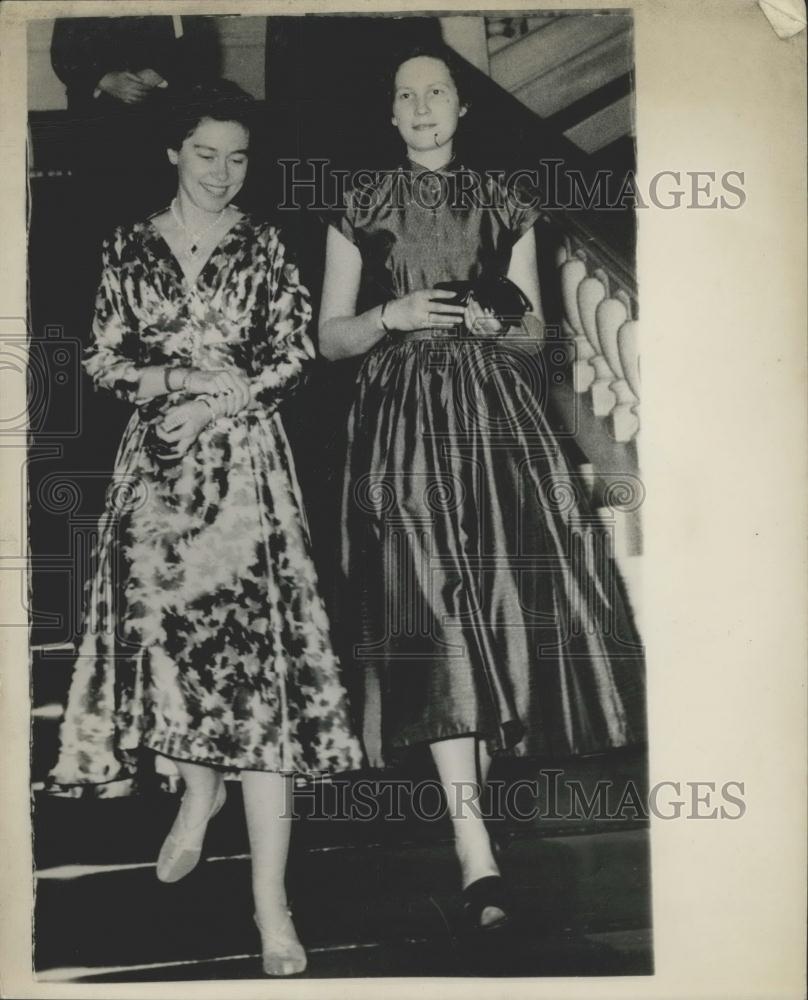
point(573, 272)
point(591, 292)
point(610, 316)
point(625, 298)
point(603, 277)
point(626, 417)
point(569, 246)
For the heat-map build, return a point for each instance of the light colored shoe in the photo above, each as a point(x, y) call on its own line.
point(282, 954)
point(182, 848)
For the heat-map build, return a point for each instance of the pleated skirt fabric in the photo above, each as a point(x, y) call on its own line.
point(482, 583)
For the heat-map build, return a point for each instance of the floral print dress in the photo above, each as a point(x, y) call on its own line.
point(205, 637)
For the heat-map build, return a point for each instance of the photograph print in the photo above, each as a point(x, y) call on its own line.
point(335, 503)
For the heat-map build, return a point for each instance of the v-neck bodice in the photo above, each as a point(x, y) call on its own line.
point(192, 282)
point(245, 309)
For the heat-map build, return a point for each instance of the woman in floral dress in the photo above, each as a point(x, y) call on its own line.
point(206, 640)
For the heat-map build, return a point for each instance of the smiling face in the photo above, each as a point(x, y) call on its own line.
point(212, 163)
point(426, 107)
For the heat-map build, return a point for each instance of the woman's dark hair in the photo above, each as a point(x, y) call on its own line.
point(219, 100)
point(431, 50)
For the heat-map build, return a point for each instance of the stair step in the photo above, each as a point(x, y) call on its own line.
point(578, 886)
point(605, 126)
point(497, 42)
point(407, 959)
point(118, 831)
point(553, 955)
point(580, 76)
point(541, 52)
point(612, 954)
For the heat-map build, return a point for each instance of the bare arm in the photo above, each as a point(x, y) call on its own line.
point(158, 380)
point(523, 271)
point(343, 334)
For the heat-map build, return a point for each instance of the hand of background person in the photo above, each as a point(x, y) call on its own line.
point(422, 310)
point(151, 78)
point(124, 86)
point(481, 322)
point(182, 426)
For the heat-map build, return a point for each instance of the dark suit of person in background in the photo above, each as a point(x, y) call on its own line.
point(119, 73)
point(99, 58)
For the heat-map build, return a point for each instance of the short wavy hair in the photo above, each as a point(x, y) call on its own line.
point(219, 100)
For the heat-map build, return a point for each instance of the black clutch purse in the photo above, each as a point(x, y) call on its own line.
point(506, 300)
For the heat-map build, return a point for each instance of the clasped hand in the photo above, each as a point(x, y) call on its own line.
point(429, 309)
point(481, 321)
point(183, 424)
point(129, 87)
point(230, 386)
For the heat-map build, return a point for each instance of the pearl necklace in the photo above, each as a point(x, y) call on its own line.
point(194, 241)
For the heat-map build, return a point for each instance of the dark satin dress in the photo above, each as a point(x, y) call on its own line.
point(484, 594)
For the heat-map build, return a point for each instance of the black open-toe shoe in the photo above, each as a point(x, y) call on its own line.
point(488, 891)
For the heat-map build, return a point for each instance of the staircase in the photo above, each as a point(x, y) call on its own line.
point(573, 70)
point(371, 898)
point(375, 897)
point(574, 73)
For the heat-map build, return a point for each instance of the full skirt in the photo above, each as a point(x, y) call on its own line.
point(486, 597)
point(205, 637)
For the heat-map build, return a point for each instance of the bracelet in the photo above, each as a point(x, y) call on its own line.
point(168, 371)
point(209, 405)
point(385, 327)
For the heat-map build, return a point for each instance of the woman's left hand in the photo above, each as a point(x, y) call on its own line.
point(228, 385)
point(182, 425)
point(232, 392)
point(481, 322)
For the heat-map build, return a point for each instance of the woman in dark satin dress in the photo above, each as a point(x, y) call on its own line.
point(489, 619)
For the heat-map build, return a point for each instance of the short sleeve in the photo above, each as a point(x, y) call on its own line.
point(346, 222)
point(361, 205)
point(522, 203)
